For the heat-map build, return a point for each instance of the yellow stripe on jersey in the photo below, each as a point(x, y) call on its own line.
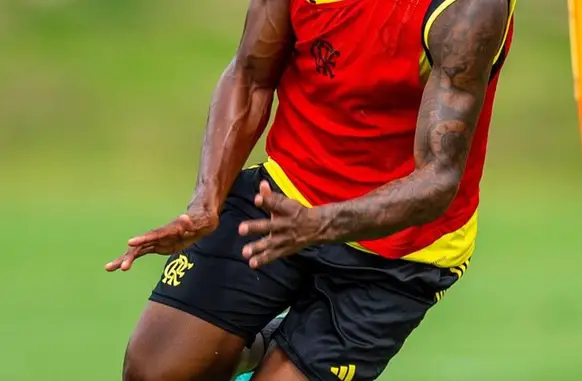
point(283, 182)
point(512, 4)
point(425, 67)
point(450, 250)
point(432, 18)
point(447, 3)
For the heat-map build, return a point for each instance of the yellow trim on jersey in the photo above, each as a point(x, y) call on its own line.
point(283, 182)
point(512, 4)
point(447, 3)
point(425, 67)
point(450, 250)
point(434, 15)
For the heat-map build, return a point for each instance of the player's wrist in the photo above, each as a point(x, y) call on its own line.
point(204, 201)
point(324, 216)
point(204, 209)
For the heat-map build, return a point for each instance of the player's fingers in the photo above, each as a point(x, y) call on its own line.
point(271, 202)
point(265, 257)
point(265, 188)
point(255, 227)
point(127, 262)
point(114, 265)
point(146, 238)
point(134, 253)
point(156, 234)
point(121, 262)
point(143, 250)
point(181, 226)
point(257, 247)
point(264, 191)
point(275, 246)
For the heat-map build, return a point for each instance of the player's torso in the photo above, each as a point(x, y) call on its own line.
point(358, 59)
point(353, 87)
point(348, 106)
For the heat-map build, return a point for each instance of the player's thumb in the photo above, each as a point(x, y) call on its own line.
point(273, 202)
point(265, 189)
point(188, 225)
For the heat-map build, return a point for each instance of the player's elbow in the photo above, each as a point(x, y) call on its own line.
point(254, 72)
point(439, 196)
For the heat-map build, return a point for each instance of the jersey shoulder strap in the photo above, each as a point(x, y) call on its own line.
point(437, 7)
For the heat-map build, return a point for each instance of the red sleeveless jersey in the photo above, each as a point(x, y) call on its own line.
point(348, 106)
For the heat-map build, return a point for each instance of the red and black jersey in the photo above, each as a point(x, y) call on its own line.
point(348, 107)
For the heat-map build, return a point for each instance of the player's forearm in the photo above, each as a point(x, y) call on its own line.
point(239, 113)
point(446, 124)
point(414, 200)
point(242, 102)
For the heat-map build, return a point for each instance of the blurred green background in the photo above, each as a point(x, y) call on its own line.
point(102, 107)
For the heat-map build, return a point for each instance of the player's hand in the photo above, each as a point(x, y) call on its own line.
point(291, 228)
point(169, 239)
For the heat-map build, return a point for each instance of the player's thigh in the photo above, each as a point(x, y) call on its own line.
point(358, 314)
point(172, 345)
point(277, 366)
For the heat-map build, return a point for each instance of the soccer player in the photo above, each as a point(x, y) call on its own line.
point(365, 212)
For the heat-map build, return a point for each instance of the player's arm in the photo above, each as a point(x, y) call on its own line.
point(463, 43)
point(238, 115)
point(241, 104)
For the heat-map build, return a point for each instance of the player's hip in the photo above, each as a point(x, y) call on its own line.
point(373, 302)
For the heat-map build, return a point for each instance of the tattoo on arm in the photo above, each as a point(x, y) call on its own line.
point(463, 43)
point(241, 104)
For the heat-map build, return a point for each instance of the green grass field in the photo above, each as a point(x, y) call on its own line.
point(102, 104)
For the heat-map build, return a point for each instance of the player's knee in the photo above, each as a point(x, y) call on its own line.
point(143, 365)
point(138, 368)
point(277, 366)
point(170, 345)
point(132, 372)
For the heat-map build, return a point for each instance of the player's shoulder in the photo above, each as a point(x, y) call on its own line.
point(491, 12)
point(473, 5)
point(462, 8)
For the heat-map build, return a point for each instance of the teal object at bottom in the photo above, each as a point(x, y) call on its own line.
point(244, 377)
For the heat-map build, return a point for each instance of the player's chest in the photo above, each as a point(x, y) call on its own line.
point(359, 46)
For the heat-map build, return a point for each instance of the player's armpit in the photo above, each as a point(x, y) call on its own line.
point(241, 104)
point(463, 42)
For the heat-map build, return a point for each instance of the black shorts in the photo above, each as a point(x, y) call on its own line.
point(350, 311)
